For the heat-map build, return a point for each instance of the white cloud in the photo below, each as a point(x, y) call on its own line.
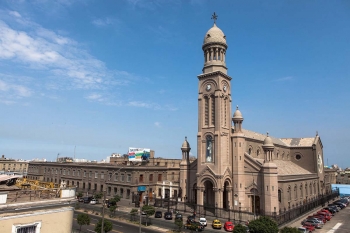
point(157, 124)
point(288, 78)
point(10, 93)
point(143, 105)
point(102, 22)
point(15, 13)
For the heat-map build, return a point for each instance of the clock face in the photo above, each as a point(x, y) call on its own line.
point(319, 163)
point(225, 88)
point(208, 87)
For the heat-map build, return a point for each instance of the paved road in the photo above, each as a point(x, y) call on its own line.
point(340, 223)
point(118, 227)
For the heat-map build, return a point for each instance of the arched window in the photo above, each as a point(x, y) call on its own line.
point(289, 194)
point(209, 149)
point(257, 153)
point(279, 195)
point(295, 192)
point(310, 189)
point(301, 190)
point(212, 109)
point(206, 110)
point(249, 150)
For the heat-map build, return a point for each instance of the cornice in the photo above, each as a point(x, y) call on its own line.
point(201, 76)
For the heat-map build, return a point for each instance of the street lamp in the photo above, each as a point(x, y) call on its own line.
point(253, 192)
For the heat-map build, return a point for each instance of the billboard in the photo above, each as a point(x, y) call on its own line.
point(139, 154)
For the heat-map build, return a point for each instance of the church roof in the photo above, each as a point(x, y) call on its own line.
point(298, 141)
point(286, 167)
point(290, 142)
point(214, 35)
point(261, 137)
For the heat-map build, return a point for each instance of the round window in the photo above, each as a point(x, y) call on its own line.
point(298, 157)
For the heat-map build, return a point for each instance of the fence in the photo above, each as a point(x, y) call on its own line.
point(280, 217)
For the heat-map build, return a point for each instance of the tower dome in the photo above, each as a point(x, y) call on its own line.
point(268, 144)
point(214, 36)
point(214, 48)
point(185, 145)
point(237, 115)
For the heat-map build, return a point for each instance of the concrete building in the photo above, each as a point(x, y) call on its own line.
point(13, 166)
point(119, 177)
point(238, 168)
point(34, 211)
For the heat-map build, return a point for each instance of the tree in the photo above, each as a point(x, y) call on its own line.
point(79, 195)
point(179, 223)
point(114, 200)
point(83, 219)
point(263, 225)
point(107, 226)
point(148, 210)
point(133, 213)
point(98, 196)
point(112, 210)
point(289, 230)
point(240, 229)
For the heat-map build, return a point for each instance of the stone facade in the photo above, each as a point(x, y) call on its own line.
point(238, 168)
point(119, 177)
point(12, 165)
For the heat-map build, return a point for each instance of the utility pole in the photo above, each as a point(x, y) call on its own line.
point(103, 211)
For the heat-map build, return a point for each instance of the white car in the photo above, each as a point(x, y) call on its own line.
point(93, 202)
point(203, 221)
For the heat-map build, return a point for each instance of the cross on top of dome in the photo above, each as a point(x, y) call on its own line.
point(214, 17)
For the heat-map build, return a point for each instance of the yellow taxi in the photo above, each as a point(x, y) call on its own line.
point(216, 224)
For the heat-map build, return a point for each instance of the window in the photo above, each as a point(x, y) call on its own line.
point(128, 178)
point(68, 172)
point(56, 171)
point(141, 179)
point(64, 171)
point(279, 195)
point(122, 178)
point(84, 173)
point(31, 228)
point(90, 174)
point(150, 177)
point(121, 191)
point(96, 175)
point(102, 176)
point(159, 177)
point(209, 149)
point(298, 157)
point(73, 172)
point(173, 176)
point(78, 172)
point(116, 177)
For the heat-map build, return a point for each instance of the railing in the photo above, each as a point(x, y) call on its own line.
point(237, 215)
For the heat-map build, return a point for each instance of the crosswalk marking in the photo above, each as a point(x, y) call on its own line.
point(334, 228)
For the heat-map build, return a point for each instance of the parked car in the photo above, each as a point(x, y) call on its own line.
point(81, 199)
point(216, 224)
point(190, 219)
point(331, 210)
point(335, 207)
point(309, 227)
point(302, 230)
point(168, 216)
point(93, 201)
point(203, 221)
point(314, 222)
point(158, 214)
point(194, 226)
point(228, 226)
point(87, 199)
point(178, 216)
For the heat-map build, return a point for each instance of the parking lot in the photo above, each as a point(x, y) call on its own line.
point(340, 223)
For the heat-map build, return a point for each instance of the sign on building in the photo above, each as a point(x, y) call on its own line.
point(139, 154)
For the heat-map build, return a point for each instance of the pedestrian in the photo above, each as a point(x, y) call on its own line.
point(194, 214)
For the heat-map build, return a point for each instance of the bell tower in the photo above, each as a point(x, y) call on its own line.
point(214, 117)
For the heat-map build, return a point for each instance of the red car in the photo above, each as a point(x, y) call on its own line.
point(309, 226)
point(229, 226)
point(327, 216)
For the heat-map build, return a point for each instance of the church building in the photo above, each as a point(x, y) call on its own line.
point(238, 168)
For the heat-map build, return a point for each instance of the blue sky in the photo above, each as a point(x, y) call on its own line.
point(103, 76)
